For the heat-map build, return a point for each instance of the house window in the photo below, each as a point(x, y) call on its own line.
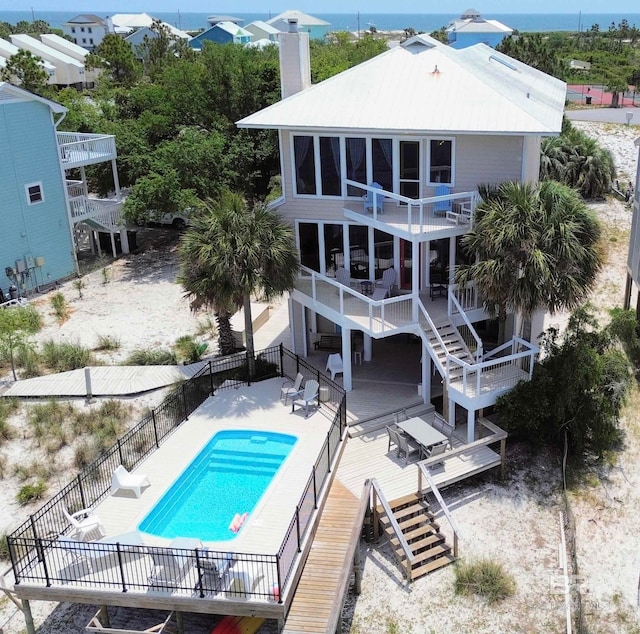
point(90, 40)
point(305, 164)
point(356, 156)
point(441, 161)
point(75, 40)
point(359, 252)
point(330, 166)
point(81, 29)
point(333, 248)
point(382, 162)
point(34, 193)
point(84, 40)
point(309, 245)
point(73, 29)
point(88, 29)
point(410, 169)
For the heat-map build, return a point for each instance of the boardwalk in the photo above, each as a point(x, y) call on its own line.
point(317, 604)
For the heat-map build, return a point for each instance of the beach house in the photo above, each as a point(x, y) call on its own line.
point(86, 30)
point(222, 33)
point(380, 169)
point(317, 28)
point(471, 28)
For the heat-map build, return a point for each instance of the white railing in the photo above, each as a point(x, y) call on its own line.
point(75, 189)
point(383, 316)
point(106, 213)
point(466, 296)
point(74, 147)
point(428, 327)
point(466, 330)
point(421, 213)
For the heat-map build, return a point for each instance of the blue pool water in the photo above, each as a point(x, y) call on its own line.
point(228, 477)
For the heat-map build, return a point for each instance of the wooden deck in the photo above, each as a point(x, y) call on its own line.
point(317, 604)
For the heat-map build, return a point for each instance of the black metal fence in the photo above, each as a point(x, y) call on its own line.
point(38, 555)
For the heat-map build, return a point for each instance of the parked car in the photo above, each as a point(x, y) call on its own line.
point(178, 220)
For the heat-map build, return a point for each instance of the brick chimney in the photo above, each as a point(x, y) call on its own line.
point(295, 66)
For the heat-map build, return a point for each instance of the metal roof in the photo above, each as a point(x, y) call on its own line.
point(420, 87)
point(263, 26)
point(24, 95)
point(304, 19)
point(38, 48)
point(87, 18)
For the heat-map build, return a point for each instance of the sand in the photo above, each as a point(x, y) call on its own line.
point(513, 521)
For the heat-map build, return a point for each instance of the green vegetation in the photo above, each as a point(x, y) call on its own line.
point(8, 407)
point(79, 286)
point(231, 252)
point(60, 307)
point(107, 343)
point(31, 492)
point(590, 364)
point(150, 356)
point(485, 578)
point(189, 350)
point(16, 326)
point(537, 247)
point(65, 356)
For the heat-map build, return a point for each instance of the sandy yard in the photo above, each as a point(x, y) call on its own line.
point(515, 521)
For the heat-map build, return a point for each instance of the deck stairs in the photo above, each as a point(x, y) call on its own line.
point(422, 533)
point(447, 341)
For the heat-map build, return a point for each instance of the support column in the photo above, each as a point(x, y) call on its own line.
point(179, 623)
point(452, 259)
point(471, 425)
point(426, 375)
point(28, 617)
point(124, 241)
point(415, 277)
point(627, 292)
point(367, 341)
point(346, 359)
point(104, 616)
point(113, 244)
point(83, 177)
point(116, 181)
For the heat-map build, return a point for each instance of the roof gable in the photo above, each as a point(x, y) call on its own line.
point(304, 19)
point(9, 92)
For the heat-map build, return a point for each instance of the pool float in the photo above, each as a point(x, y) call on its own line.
point(237, 522)
point(238, 625)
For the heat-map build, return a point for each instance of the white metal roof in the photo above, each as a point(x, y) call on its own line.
point(7, 49)
point(46, 52)
point(426, 88)
point(232, 28)
point(64, 46)
point(263, 26)
point(304, 19)
point(479, 26)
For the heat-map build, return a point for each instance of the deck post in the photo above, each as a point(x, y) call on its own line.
point(357, 570)
point(374, 516)
point(179, 623)
point(28, 617)
point(104, 616)
point(471, 424)
point(503, 451)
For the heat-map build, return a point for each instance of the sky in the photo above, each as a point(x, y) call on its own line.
point(486, 7)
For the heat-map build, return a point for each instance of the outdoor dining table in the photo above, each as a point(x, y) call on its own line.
point(422, 432)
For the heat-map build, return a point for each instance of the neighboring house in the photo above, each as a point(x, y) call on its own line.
point(222, 33)
point(43, 209)
point(427, 124)
point(471, 28)
point(126, 23)
point(7, 50)
point(69, 71)
point(262, 31)
point(137, 37)
point(212, 20)
point(633, 259)
point(315, 27)
point(86, 30)
point(72, 50)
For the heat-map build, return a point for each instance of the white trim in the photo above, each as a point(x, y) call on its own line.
point(453, 162)
point(28, 186)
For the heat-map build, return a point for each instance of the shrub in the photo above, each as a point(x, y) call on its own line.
point(79, 285)
point(62, 357)
point(84, 454)
point(47, 420)
point(28, 359)
point(3, 466)
point(7, 432)
point(189, 350)
point(30, 492)
point(4, 547)
point(107, 343)
point(7, 407)
point(485, 578)
point(147, 356)
point(106, 275)
point(60, 308)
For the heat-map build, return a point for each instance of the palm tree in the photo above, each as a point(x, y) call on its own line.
point(537, 247)
point(231, 252)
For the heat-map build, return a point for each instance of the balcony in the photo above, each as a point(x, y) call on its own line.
point(76, 149)
point(410, 219)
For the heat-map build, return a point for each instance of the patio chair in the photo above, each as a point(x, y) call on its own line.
point(386, 284)
point(343, 277)
point(242, 583)
point(291, 388)
point(122, 480)
point(334, 365)
point(435, 450)
point(171, 566)
point(441, 207)
point(305, 399)
point(393, 431)
point(369, 204)
point(85, 525)
point(438, 422)
point(103, 553)
point(407, 447)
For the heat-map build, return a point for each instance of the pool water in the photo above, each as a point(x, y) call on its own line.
point(228, 477)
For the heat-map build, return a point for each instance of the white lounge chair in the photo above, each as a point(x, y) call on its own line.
point(106, 552)
point(388, 280)
point(335, 365)
point(122, 480)
point(291, 388)
point(171, 566)
point(243, 583)
point(85, 525)
point(305, 399)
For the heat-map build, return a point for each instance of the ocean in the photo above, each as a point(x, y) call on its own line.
point(524, 22)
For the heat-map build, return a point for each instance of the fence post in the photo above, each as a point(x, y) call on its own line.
point(298, 526)
point(120, 452)
point(40, 551)
point(124, 585)
point(155, 427)
point(184, 401)
point(315, 492)
point(84, 502)
point(279, 579)
point(199, 574)
point(281, 359)
point(328, 452)
point(249, 367)
point(33, 527)
point(211, 378)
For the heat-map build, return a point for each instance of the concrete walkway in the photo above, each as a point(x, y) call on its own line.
point(605, 115)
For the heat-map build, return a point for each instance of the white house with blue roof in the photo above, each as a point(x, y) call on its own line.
point(471, 28)
point(380, 168)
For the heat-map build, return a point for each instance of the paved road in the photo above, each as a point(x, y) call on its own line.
point(605, 115)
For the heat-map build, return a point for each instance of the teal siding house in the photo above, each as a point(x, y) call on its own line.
point(222, 33)
point(36, 237)
point(471, 28)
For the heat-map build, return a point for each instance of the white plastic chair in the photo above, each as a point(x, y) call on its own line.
point(343, 277)
point(85, 525)
point(386, 284)
point(334, 365)
point(305, 399)
point(122, 480)
point(441, 207)
point(291, 388)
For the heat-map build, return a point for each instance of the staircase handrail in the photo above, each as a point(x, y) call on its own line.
point(423, 472)
point(454, 303)
point(436, 333)
point(394, 523)
point(510, 344)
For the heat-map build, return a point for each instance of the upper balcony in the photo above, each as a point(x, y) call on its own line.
point(423, 219)
point(77, 149)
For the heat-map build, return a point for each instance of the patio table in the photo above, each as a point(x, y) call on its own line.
point(422, 432)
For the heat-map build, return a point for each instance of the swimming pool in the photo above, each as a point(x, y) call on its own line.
point(227, 478)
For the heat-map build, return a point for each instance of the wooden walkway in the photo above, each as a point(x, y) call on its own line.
point(317, 605)
point(116, 380)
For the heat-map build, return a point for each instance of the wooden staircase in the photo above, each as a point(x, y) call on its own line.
point(453, 345)
point(422, 533)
